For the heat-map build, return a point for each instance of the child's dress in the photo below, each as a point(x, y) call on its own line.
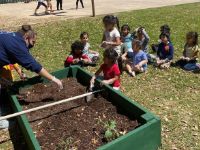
point(70, 59)
point(111, 37)
point(92, 56)
point(127, 40)
point(111, 72)
point(191, 52)
point(137, 57)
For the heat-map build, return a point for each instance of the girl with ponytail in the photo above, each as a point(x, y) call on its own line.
point(111, 36)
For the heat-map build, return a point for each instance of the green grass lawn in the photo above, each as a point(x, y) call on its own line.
point(172, 94)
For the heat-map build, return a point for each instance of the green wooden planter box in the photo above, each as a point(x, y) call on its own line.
point(146, 137)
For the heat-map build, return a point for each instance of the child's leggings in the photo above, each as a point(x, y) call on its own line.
point(41, 3)
point(59, 3)
point(191, 66)
point(81, 3)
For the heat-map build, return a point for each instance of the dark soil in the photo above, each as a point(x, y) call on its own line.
point(72, 125)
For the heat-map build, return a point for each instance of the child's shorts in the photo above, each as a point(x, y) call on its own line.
point(41, 3)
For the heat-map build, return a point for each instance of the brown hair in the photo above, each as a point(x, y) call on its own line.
point(138, 43)
point(111, 54)
point(194, 36)
point(27, 29)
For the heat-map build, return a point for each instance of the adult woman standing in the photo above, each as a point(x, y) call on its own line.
point(14, 48)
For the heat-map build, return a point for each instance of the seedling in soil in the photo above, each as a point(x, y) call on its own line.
point(66, 144)
point(111, 132)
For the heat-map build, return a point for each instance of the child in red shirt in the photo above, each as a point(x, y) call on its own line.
point(77, 57)
point(111, 73)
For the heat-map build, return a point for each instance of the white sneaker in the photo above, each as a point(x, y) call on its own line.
point(4, 124)
point(132, 74)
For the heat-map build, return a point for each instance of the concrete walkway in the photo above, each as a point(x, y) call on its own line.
point(19, 13)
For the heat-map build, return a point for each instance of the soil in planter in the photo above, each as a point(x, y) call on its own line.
point(76, 124)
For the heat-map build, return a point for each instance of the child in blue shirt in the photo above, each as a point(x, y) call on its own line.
point(165, 52)
point(139, 59)
point(93, 55)
point(163, 29)
point(126, 37)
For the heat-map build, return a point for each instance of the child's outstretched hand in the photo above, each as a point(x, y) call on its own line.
point(86, 61)
point(104, 44)
point(92, 81)
point(159, 62)
point(23, 76)
point(105, 82)
point(187, 58)
point(123, 57)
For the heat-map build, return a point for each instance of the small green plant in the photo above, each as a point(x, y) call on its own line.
point(111, 132)
point(65, 144)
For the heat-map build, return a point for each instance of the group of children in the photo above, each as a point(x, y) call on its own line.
point(49, 5)
point(125, 51)
point(129, 51)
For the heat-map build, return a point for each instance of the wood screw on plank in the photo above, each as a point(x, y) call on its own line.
point(48, 105)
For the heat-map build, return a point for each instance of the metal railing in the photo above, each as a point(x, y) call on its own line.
point(14, 1)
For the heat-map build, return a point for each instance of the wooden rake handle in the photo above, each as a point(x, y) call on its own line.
point(47, 105)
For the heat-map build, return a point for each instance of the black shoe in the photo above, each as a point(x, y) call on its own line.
point(58, 9)
point(92, 64)
point(61, 9)
point(83, 7)
point(95, 59)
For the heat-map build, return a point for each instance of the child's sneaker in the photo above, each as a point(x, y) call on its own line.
point(132, 74)
point(4, 124)
point(95, 59)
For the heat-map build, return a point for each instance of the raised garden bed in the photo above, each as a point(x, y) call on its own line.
point(85, 126)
